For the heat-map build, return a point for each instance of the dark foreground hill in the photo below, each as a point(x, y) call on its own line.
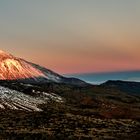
point(107, 111)
point(127, 87)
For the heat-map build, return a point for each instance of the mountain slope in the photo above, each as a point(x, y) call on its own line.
point(54, 77)
point(13, 68)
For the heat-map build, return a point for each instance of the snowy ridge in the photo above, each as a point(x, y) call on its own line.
point(16, 100)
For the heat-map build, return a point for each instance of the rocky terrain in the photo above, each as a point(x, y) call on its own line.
point(92, 112)
point(15, 100)
point(60, 122)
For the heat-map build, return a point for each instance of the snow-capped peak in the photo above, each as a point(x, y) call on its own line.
point(12, 68)
point(4, 55)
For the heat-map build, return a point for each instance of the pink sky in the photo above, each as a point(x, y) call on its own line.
point(73, 36)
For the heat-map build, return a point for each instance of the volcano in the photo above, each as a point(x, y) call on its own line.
point(13, 68)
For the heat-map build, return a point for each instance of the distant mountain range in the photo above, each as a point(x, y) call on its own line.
point(98, 78)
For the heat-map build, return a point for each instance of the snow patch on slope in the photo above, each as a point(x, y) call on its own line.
point(16, 100)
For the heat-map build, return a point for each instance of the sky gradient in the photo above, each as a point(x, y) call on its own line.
point(73, 36)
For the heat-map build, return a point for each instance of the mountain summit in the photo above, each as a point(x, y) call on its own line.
point(13, 68)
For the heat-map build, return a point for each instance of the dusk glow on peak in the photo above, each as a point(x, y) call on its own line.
point(74, 36)
point(12, 68)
